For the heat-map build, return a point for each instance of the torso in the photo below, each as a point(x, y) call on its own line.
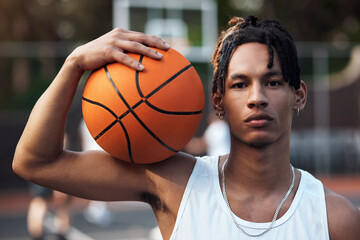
point(203, 193)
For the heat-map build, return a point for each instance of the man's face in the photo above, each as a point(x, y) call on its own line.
point(258, 103)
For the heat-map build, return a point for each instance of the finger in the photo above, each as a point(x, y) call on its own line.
point(148, 40)
point(152, 41)
point(135, 47)
point(128, 61)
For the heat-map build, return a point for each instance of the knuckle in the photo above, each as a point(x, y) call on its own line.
point(142, 37)
point(155, 39)
point(117, 30)
point(135, 45)
point(128, 61)
point(131, 62)
point(151, 51)
point(122, 57)
point(116, 33)
point(108, 50)
point(112, 41)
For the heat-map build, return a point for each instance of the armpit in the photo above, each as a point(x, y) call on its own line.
point(154, 201)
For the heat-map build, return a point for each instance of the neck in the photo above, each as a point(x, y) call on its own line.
point(259, 168)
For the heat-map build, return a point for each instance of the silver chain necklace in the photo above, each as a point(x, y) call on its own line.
point(276, 212)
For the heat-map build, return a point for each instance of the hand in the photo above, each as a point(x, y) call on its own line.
point(112, 47)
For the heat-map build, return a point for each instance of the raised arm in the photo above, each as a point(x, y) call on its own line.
point(40, 156)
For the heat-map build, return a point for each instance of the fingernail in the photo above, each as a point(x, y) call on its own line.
point(159, 54)
point(141, 67)
point(165, 43)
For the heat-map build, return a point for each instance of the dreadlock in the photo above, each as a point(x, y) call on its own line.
point(268, 32)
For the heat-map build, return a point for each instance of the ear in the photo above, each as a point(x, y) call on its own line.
point(217, 102)
point(300, 97)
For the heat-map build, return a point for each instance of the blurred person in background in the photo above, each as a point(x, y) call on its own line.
point(214, 142)
point(45, 200)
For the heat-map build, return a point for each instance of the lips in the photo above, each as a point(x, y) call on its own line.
point(259, 120)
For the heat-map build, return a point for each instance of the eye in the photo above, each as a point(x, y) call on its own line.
point(239, 85)
point(274, 83)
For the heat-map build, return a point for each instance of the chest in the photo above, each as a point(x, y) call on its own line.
point(203, 214)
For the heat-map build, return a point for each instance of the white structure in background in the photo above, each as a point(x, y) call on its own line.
point(172, 27)
point(322, 109)
point(173, 31)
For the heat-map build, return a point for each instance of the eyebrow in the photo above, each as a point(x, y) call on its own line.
point(268, 74)
point(238, 76)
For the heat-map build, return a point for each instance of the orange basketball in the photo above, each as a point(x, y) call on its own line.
point(148, 116)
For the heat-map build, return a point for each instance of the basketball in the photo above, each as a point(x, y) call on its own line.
point(144, 117)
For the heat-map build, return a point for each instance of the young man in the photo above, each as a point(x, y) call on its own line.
point(253, 192)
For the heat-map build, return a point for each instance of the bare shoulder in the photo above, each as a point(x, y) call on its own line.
point(171, 175)
point(178, 166)
point(343, 217)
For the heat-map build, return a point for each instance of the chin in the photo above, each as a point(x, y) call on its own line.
point(260, 144)
point(260, 141)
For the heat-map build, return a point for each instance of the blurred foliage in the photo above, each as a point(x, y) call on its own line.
point(45, 20)
point(82, 20)
point(307, 20)
point(50, 20)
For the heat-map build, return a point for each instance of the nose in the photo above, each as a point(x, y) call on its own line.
point(257, 97)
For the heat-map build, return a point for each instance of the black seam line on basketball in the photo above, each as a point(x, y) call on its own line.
point(157, 89)
point(133, 107)
point(134, 114)
point(137, 79)
point(168, 81)
point(127, 140)
point(172, 112)
point(101, 105)
point(105, 130)
point(109, 110)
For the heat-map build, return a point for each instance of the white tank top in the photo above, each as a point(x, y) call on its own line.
point(204, 215)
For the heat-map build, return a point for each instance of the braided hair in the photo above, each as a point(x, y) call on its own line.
point(268, 32)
